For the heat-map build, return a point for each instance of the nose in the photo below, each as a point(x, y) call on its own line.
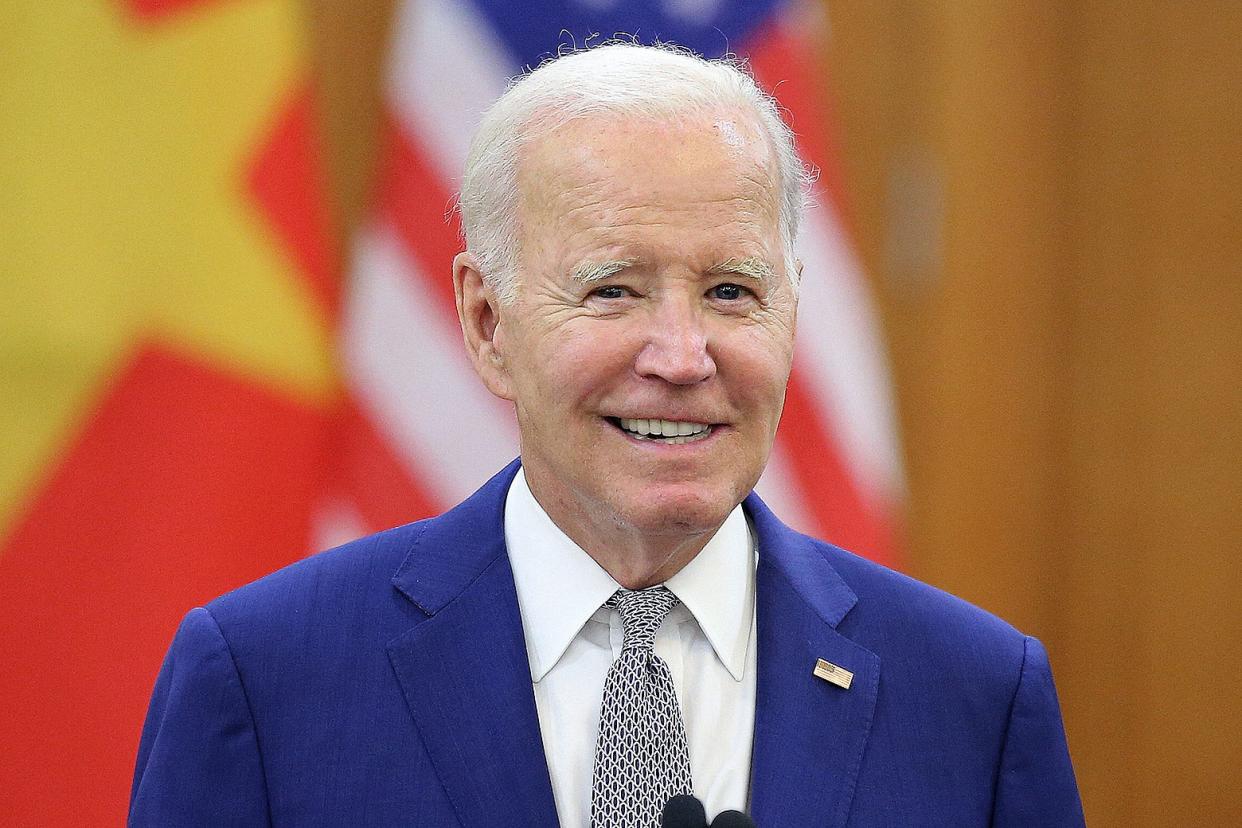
point(676, 347)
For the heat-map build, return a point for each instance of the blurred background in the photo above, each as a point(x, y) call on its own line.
point(225, 333)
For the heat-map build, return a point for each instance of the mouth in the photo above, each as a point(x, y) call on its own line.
point(668, 432)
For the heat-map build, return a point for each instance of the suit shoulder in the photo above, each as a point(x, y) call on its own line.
point(894, 607)
point(351, 570)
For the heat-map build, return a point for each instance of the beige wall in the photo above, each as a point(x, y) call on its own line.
point(1048, 198)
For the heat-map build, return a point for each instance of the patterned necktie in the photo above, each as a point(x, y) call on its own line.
point(642, 757)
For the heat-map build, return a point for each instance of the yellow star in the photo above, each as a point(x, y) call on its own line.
point(124, 215)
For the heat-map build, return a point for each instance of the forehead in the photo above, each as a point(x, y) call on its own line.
point(610, 176)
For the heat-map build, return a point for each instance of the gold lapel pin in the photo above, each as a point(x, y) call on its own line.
point(833, 674)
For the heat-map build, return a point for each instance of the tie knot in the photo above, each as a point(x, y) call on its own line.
point(642, 613)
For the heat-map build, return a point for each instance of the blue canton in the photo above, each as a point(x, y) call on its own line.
point(533, 30)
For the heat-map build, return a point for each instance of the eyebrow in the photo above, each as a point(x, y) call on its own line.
point(598, 271)
point(751, 267)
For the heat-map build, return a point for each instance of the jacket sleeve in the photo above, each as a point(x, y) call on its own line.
point(1035, 784)
point(198, 760)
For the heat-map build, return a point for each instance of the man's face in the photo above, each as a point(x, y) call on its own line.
point(652, 300)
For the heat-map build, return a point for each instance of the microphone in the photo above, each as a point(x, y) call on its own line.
point(732, 819)
point(683, 811)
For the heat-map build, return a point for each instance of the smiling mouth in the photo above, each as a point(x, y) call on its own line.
point(669, 432)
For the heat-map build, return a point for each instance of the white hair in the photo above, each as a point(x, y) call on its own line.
point(619, 79)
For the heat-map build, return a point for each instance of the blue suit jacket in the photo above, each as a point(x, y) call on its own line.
point(335, 692)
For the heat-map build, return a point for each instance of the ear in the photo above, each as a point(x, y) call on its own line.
point(478, 310)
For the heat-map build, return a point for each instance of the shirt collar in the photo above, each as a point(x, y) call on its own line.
point(559, 586)
point(718, 587)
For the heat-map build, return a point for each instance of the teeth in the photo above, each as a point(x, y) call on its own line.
point(671, 431)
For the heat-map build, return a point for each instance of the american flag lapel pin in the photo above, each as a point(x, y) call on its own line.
point(834, 674)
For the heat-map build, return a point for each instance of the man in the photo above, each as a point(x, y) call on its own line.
point(617, 619)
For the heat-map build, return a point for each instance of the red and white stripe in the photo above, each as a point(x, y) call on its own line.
point(421, 431)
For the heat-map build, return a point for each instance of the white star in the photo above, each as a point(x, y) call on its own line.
point(693, 11)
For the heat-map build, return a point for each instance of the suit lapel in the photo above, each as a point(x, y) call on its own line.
point(809, 734)
point(464, 669)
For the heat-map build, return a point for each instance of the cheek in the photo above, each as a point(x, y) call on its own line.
point(572, 367)
point(761, 364)
point(599, 349)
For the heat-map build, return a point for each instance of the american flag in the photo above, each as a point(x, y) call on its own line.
point(421, 432)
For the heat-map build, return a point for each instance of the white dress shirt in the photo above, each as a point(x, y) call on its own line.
point(708, 642)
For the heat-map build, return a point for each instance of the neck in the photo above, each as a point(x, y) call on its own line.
point(635, 557)
point(638, 566)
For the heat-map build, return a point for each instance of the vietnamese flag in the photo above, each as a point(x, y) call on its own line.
point(167, 295)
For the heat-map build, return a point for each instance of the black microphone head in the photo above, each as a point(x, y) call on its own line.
point(683, 811)
point(732, 819)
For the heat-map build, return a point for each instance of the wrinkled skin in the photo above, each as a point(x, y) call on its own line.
point(675, 333)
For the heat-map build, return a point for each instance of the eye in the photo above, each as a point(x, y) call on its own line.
point(728, 292)
point(611, 292)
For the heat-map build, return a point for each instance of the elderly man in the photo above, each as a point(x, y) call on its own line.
point(617, 619)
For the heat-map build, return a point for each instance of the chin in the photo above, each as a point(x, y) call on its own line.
point(688, 513)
